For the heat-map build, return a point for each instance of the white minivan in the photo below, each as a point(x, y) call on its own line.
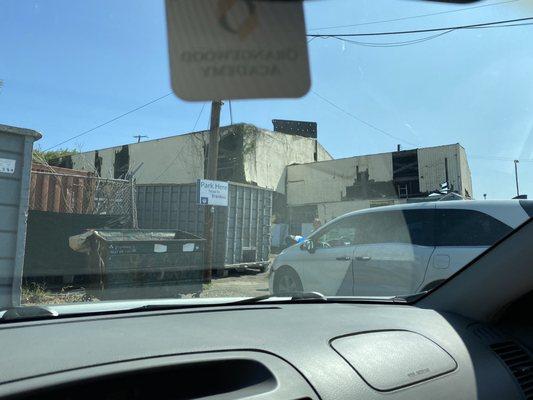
point(395, 250)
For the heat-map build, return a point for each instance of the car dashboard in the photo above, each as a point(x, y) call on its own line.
point(271, 351)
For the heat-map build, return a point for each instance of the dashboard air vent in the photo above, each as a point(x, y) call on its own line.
point(520, 362)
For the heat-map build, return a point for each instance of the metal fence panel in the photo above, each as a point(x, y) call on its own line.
point(16, 147)
point(242, 230)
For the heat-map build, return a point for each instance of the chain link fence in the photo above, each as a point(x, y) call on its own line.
point(66, 191)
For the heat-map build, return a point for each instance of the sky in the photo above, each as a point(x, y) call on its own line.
point(68, 66)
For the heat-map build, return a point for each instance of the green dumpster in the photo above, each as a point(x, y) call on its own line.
point(142, 263)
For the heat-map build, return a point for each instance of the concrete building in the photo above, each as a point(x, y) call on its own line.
point(247, 154)
point(331, 188)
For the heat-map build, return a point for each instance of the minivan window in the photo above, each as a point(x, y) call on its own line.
point(407, 226)
point(340, 234)
point(468, 228)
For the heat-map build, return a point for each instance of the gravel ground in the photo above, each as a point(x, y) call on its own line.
point(238, 284)
point(247, 283)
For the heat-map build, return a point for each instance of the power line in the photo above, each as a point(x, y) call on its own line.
point(109, 121)
point(503, 26)
point(496, 158)
point(362, 121)
point(413, 16)
point(180, 151)
point(413, 41)
point(428, 30)
point(198, 118)
point(393, 44)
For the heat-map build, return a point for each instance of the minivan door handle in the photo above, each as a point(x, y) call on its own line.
point(345, 258)
point(363, 258)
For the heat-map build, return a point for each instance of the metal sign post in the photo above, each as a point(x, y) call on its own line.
point(211, 193)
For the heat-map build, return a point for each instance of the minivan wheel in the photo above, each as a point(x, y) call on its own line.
point(287, 282)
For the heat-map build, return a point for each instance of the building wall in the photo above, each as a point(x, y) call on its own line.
point(466, 176)
point(323, 154)
point(327, 181)
point(267, 155)
point(320, 189)
point(83, 161)
point(431, 167)
point(178, 159)
point(329, 211)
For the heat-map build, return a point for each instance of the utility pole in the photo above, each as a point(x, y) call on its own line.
point(230, 113)
point(516, 176)
point(212, 165)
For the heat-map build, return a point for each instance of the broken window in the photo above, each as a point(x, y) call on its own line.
point(122, 163)
point(405, 173)
point(98, 163)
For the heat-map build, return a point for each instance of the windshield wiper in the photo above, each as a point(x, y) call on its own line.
point(293, 298)
point(410, 298)
point(319, 297)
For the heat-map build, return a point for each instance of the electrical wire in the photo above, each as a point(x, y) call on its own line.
point(496, 158)
point(109, 121)
point(180, 151)
point(393, 44)
point(362, 121)
point(503, 26)
point(427, 30)
point(198, 118)
point(413, 16)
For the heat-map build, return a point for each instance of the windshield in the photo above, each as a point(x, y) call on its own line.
point(409, 156)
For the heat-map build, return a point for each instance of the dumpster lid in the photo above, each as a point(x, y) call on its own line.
point(80, 243)
point(143, 235)
point(20, 131)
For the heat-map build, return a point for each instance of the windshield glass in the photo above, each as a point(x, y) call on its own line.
point(410, 155)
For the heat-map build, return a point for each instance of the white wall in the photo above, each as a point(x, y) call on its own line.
point(267, 160)
point(83, 161)
point(431, 167)
point(327, 181)
point(329, 211)
point(323, 154)
point(173, 160)
point(466, 176)
point(178, 159)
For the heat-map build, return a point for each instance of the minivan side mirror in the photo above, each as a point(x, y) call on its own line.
point(308, 245)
